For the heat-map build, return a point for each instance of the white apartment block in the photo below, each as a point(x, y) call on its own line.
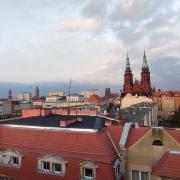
point(55, 93)
point(75, 98)
point(25, 96)
point(88, 93)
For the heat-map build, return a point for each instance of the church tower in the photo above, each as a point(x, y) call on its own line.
point(128, 78)
point(145, 77)
point(37, 94)
point(9, 94)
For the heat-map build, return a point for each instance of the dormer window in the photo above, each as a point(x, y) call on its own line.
point(11, 158)
point(53, 165)
point(88, 170)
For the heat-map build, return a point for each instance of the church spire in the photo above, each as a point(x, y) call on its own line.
point(37, 93)
point(9, 94)
point(127, 62)
point(145, 64)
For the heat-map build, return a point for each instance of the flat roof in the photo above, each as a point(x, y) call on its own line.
point(53, 121)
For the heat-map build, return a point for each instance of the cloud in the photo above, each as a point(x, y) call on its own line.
point(166, 72)
point(85, 25)
point(87, 40)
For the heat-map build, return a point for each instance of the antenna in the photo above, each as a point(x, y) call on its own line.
point(69, 97)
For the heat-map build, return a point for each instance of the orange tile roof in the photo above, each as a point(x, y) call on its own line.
point(116, 132)
point(95, 98)
point(135, 134)
point(175, 133)
point(168, 166)
point(86, 145)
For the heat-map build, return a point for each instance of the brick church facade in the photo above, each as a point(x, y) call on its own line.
point(142, 87)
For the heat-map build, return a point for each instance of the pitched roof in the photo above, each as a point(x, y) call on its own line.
point(135, 134)
point(168, 166)
point(116, 132)
point(175, 133)
point(85, 145)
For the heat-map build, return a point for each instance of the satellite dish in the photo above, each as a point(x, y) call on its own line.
point(6, 159)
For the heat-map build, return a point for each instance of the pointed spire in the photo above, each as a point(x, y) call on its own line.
point(9, 94)
point(145, 64)
point(127, 61)
point(37, 93)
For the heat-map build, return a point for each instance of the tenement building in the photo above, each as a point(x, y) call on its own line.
point(142, 87)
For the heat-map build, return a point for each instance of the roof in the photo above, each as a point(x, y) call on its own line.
point(135, 134)
point(115, 133)
point(175, 133)
point(89, 122)
point(168, 165)
point(96, 146)
point(130, 100)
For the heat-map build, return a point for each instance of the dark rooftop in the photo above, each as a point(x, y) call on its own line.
point(88, 122)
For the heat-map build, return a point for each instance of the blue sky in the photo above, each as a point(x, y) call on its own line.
point(86, 40)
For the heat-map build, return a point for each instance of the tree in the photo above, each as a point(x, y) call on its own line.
point(175, 120)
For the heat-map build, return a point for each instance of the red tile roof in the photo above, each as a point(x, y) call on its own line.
point(168, 166)
point(95, 98)
point(135, 134)
point(73, 146)
point(86, 145)
point(175, 133)
point(115, 133)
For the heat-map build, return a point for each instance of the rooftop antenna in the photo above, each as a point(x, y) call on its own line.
point(69, 98)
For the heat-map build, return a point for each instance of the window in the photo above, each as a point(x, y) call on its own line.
point(15, 160)
point(135, 175)
point(157, 142)
point(139, 175)
point(88, 173)
point(144, 175)
point(45, 166)
point(57, 168)
point(53, 165)
point(11, 158)
point(88, 170)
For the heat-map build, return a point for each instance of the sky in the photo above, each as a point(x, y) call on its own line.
point(87, 40)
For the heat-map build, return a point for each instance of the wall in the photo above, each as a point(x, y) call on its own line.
point(79, 112)
point(35, 112)
point(143, 155)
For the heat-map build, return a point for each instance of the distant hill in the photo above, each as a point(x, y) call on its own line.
point(77, 87)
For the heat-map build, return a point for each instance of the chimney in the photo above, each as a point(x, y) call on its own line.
point(65, 122)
